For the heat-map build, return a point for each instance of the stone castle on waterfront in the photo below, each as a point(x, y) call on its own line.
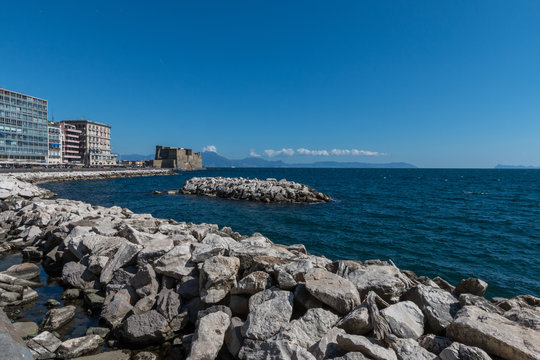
point(176, 158)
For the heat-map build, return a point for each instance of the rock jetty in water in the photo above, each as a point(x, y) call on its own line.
point(269, 190)
point(203, 292)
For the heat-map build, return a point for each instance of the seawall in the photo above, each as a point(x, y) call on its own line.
point(205, 292)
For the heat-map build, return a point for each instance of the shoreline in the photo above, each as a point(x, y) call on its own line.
point(206, 291)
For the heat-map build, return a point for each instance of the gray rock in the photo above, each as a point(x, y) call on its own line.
point(175, 263)
point(457, 351)
point(248, 254)
point(279, 349)
point(93, 300)
point(270, 312)
point(125, 254)
point(144, 282)
point(327, 347)
point(357, 321)
point(528, 317)
point(78, 275)
point(44, 345)
point(304, 298)
point(25, 271)
point(385, 280)
point(71, 294)
point(26, 329)
point(478, 301)
point(218, 277)
point(406, 320)
point(52, 303)
point(209, 336)
point(103, 332)
point(145, 355)
point(233, 336)
point(116, 310)
point(168, 303)
point(109, 355)
point(351, 356)
point(471, 286)
point(409, 349)
point(443, 284)
point(434, 343)
point(144, 304)
point(285, 280)
point(494, 334)
point(96, 263)
point(367, 346)
point(211, 245)
point(253, 283)
point(56, 318)
point(79, 346)
point(438, 306)
point(145, 328)
point(338, 293)
point(309, 328)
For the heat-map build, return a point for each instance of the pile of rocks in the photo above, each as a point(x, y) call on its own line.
point(206, 292)
point(269, 190)
point(41, 176)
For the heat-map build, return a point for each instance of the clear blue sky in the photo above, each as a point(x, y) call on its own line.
point(436, 84)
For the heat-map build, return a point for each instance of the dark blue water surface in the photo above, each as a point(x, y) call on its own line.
point(451, 223)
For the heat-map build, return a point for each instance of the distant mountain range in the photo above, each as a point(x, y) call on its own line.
point(516, 167)
point(214, 160)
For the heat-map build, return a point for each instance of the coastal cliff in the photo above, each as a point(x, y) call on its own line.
point(204, 292)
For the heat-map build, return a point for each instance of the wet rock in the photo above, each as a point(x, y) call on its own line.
point(103, 332)
point(409, 349)
point(367, 346)
point(338, 293)
point(56, 318)
point(357, 321)
point(253, 283)
point(71, 294)
point(52, 303)
point(79, 346)
point(405, 319)
point(218, 276)
point(26, 329)
point(309, 328)
point(270, 312)
point(209, 336)
point(494, 334)
point(44, 345)
point(471, 286)
point(146, 328)
point(109, 355)
point(25, 271)
point(457, 351)
point(438, 306)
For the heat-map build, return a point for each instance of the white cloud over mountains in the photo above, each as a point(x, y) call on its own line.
point(304, 151)
point(210, 148)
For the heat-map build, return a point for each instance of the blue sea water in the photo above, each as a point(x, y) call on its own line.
point(435, 222)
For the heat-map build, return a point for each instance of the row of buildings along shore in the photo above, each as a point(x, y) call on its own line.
point(27, 137)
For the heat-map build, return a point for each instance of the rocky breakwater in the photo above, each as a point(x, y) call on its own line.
point(269, 190)
point(42, 176)
point(203, 292)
